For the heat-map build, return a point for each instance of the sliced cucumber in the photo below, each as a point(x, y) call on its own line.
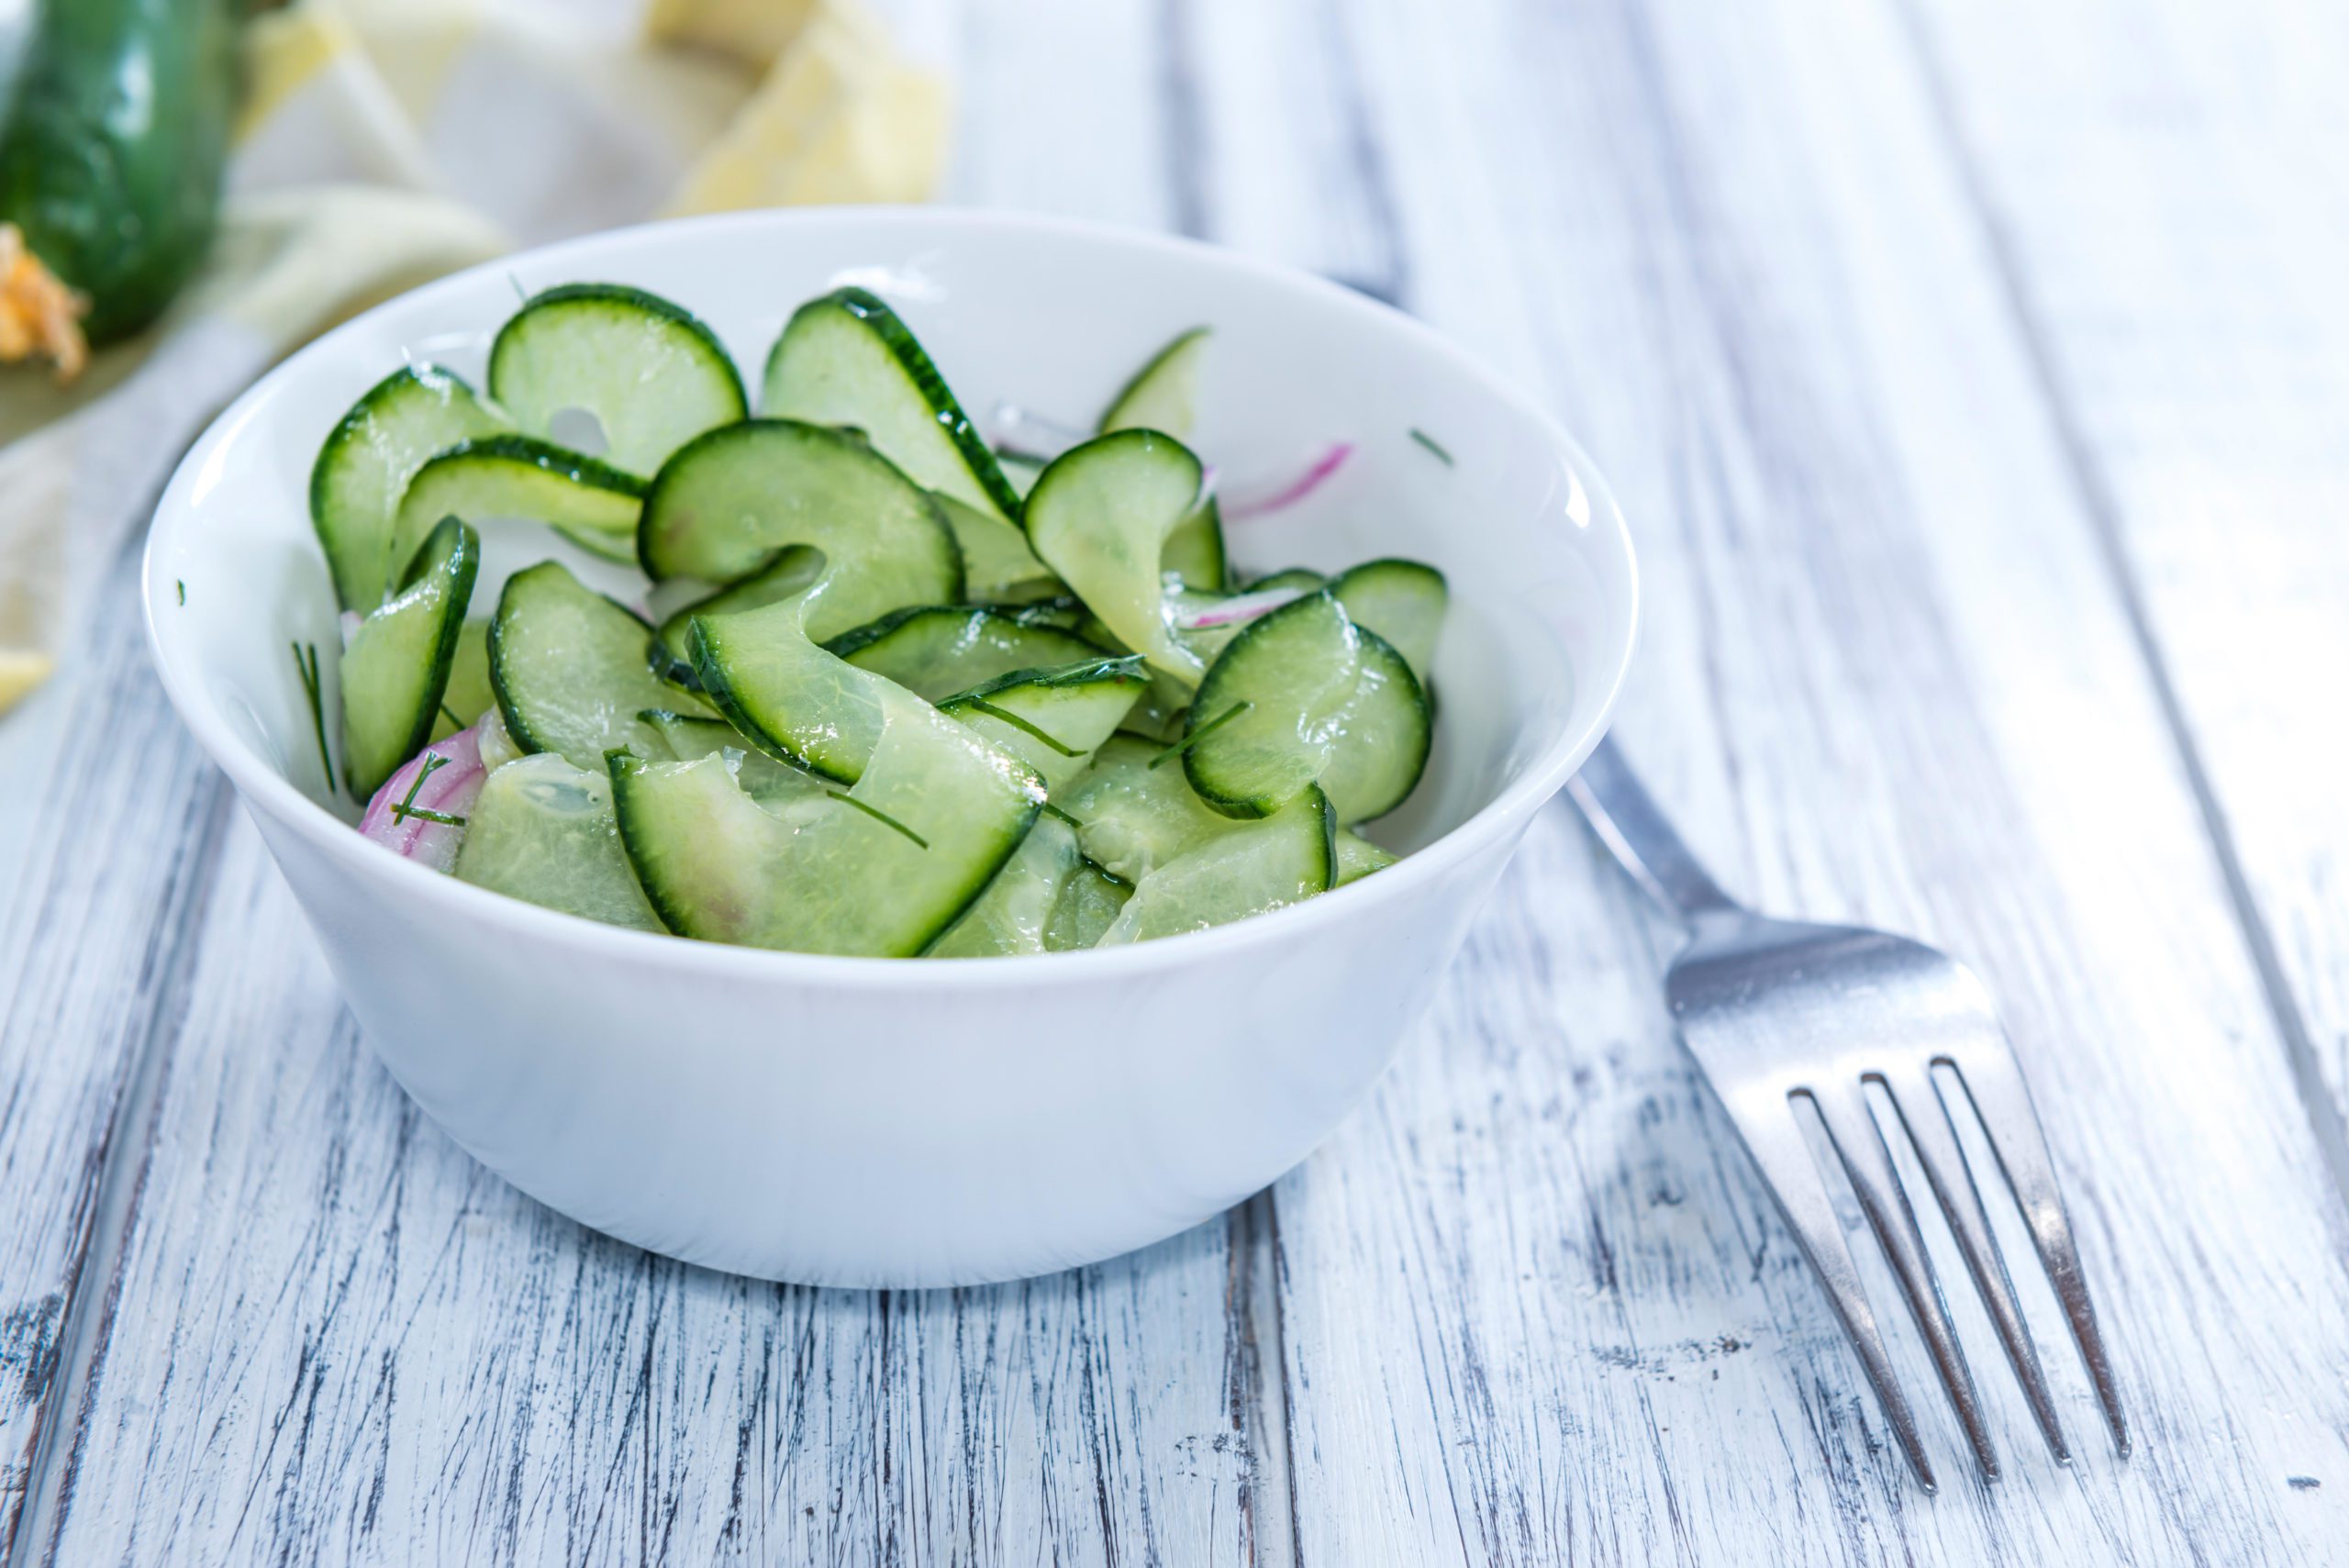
point(879, 869)
point(1303, 577)
point(520, 477)
point(568, 667)
point(998, 565)
point(1052, 719)
point(847, 360)
point(363, 468)
point(1162, 394)
point(1358, 857)
point(793, 571)
point(1063, 610)
point(1086, 908)
point(468, 694)
point(788, 695)
point(649, 372)
point(1304, 695)
point(1015, 912)
point(1020, 469)
point(722, 507)
point(1101, 516)
point(773, 783)
point(1194, 551)
point(1382, 734)
point(1134, 817)
point(398, 665)
point(1263, 724)
point(936, 650)
point(543, 831)
point(1286, 858)
point(1402, 601)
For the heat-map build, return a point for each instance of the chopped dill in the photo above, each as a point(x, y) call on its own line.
point(879, 815)
point(982, 706)
point(308, 667)
point(1201, 733)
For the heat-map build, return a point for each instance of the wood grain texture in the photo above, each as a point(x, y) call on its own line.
point(1532, 1297)
point(89, 959)
point(1529, 1305)
point(2168, 209)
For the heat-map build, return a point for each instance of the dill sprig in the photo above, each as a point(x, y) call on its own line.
point(308, 667)
point(981, 705)
point(877, 815)
point(1432, 445)
point(1201, 733)
point(407, 806)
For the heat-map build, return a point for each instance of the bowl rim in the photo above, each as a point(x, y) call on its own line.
point(268, 790)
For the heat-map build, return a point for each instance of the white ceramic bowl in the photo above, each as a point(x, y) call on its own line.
point(879, 1122)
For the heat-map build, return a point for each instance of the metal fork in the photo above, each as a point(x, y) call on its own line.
point(1775, 1012)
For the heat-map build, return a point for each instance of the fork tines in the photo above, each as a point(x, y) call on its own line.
point(1765, 1112)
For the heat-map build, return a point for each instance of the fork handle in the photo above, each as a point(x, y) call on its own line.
point(1629, 823)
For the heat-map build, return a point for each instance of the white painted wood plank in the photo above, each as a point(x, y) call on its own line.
point(341, 1339)
point(1534, 1306)
point(90, 944)
point(1064, 111)
point(2175, 207)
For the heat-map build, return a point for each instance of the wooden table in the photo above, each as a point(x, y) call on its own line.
point(1975, 373)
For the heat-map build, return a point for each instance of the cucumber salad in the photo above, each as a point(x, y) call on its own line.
point(882, 689)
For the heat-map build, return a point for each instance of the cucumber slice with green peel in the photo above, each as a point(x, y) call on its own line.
point(1132, 817)
point(398, 665)
point(1163, 394)
point(1382, 734)
point(1014, 913)
point(1194, 551)
point(846, 358)
point(791, 571)
point(998, 565)
point(468, 694)
point(936, 650)
point(568, 667)
point(770, 782)
point(1402, 601)
point(1285, 859)
point(1303, 577)
point(1265, 722)
point(364, 467)
point(508, 476)
point(543, 831)
point(1052, 719)
point(1099, 517)
point(1063, 610)
point(649, 372)
point(786, 694)
point(880, 869)
point(1358, 857)
point(1088, 905)
point(722, 507)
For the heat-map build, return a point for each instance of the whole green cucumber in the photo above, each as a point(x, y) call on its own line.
point(111, 157)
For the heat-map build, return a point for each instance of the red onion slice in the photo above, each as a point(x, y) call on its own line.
point(1238, 509)
point(448, 789)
